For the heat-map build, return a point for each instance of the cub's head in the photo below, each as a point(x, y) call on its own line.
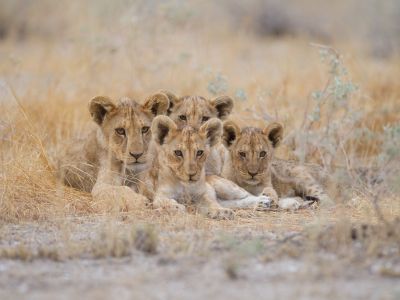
point(251, 150)
point(125, 126)
point(184, 151)
point(195, 110)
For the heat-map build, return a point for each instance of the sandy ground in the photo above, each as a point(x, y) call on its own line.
point(189, 264)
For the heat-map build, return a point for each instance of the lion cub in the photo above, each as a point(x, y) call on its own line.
point(250, 163)
point(176, 177)
point(110, 159)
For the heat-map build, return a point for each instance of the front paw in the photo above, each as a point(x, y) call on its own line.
point(221, 214)
point(264, 202)
point(271, 194)
point(169, 205)
point(118, 198)
point(291, 203)
point(134, 201)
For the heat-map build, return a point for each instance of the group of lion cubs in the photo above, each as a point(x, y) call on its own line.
point(175, 153)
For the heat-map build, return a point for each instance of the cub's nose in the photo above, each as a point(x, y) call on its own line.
point(192, 175)
point(252, 174)
point(136, 155)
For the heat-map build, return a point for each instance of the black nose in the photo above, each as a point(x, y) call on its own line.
point(252, 174)
point(136, 155)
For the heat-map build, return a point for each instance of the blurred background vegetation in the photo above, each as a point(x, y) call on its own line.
point(373, 22)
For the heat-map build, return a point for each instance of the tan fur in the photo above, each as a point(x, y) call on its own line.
point(195, 111)
point(108, 163)
point(176, 176)
point(250, 163)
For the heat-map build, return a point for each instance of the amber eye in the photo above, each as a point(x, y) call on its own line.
point(120, 131)
point(199, 152)
point(263, 153)
point(145, 129)
point(242, 154)
point(182, 117)
point(178, 153)
point(205, 119)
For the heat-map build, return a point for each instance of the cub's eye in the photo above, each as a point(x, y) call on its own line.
point(182, 117)
point(263, 153)
point(120, 131)
point(242, 154)
point(199, 152)
point(178, 153)
point(205, 119)
point(145, 129)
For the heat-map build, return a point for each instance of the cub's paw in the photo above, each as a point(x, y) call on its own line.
point(271, 194)
point(170, 205)
point(264, 202)
point(118, 198)
point(221, 214)
point(291, 203)
point(135, 201)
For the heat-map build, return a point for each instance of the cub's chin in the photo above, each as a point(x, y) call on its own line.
point(137, 167)
point(252, 181)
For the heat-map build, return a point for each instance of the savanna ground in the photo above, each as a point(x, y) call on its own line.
point(340, 107)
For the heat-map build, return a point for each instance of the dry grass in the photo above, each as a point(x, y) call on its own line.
point(38, 121)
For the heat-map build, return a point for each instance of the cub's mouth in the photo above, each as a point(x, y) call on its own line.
point(132, 163)
point(135, 163)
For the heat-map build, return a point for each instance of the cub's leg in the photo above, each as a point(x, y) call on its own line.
point(163, 199)
point(226, 189)
point(208, 205)
point(308, 188)
point(109, 195)
point(231, 195)
point(299, 180)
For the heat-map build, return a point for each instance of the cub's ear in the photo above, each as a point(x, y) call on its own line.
point(212, 129)
point(173, 100)
point(157, 104)
point(161, 127)
point(230, 134)
point(224, 106)
point(274, 132)
point(99, 107)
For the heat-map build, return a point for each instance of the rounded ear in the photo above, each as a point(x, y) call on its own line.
point(274, 132)
point(212, 129)
point(224, 106)
point(173, 100)
point(157, 104)
point(99, 107)
point(161, 127)
point(230, 134)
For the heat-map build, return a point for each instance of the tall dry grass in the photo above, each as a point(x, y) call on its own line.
point(47, 80)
